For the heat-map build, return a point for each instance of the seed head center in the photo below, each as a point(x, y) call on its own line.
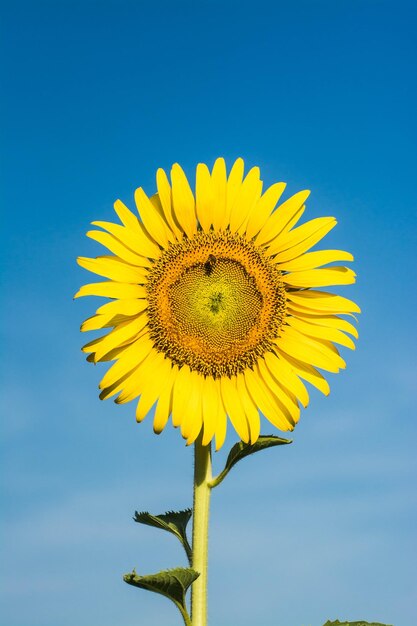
point(215, 303)
point(216, 309)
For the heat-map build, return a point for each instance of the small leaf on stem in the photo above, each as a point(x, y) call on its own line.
point(241, 449)
point(172, 584)
point(174, 522)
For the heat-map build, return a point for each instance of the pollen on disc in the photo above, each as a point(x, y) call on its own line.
point(215, 303)
point(216, 309)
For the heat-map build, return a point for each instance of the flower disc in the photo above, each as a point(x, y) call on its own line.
point(214, 311)
point(215, 304)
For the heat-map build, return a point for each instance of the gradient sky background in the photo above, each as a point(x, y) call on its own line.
point(96, 96)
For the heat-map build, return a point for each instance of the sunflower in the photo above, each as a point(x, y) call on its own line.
point(214, 311)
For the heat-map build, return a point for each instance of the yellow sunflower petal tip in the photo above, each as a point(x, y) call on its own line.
point(224, 287)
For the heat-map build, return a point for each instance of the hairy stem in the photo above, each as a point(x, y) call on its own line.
point(201, 510)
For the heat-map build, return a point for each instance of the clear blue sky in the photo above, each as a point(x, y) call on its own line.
point(96, 96)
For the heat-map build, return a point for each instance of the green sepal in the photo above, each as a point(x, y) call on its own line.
point(174, 522)
point(241, 449)
point(171, 583)
point(360, 623)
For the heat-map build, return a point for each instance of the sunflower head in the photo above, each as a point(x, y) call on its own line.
point(214, 312)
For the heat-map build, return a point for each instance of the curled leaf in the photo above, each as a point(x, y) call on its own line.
point(240, 450)
point(172, 584)
point(174, 522)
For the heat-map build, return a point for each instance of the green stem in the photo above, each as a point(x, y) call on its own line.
point(218, 479)
point(185, 616)
point(201, 509)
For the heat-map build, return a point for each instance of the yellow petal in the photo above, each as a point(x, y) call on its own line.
point(320, 278)
point(218, 184)
point(308, 351)
point(109, 289)
point(96, 322)
point(113, 268)
point(293, 221)
point(233, 185)
point(181, 395)
point(136, 240)
point(251, 410)
point(264, 400)
point(117, 387)
point(291, 244)
point(165, 197)
point(183, 201)
point(323, 301)
point(242, 228)
point(322, 332)
point(234, 407)
point(280, 218)
point(193, 418)
point(283, 373)
point(121, 333)
point(204, 197)
point(156, 203)
point(263, 209)
point(331, 321)
point(221, 423)
point(308, 311)
point(311, 260)
point(126, 216)
point(123, 307)
point(211, 406)
point(131, 357)
point(118, 248)
point(134, 385)
point(153, 222)
point(164, 406)
point(126, 383)
point(152, 386)
point(286, 401)
point(247, 196)
point(110, 356)
point(100, 321)
point(307, 372)
point(91, 345)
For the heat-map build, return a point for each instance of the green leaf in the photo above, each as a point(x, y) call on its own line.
point(360, 623)
point(172, 584)
point(241, 449)
point(174, 522)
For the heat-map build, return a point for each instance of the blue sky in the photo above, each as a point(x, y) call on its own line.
point(96, 96)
